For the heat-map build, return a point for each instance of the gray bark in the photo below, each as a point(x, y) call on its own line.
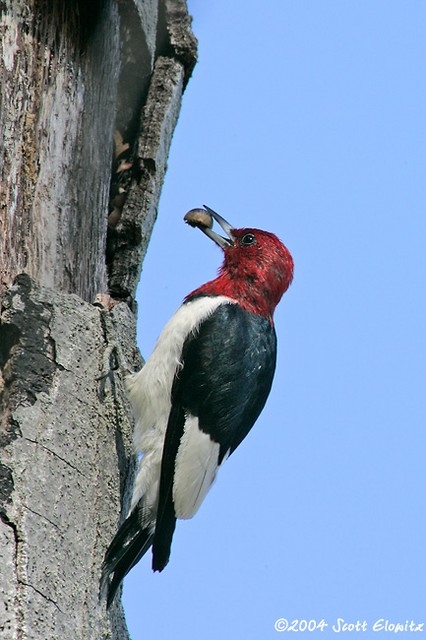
point(71, 74)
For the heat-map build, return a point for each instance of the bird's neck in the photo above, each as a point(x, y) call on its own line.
point(247, 292)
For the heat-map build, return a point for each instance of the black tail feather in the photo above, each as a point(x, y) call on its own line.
point(128, 546)
point(166, 518)
point(163, 537)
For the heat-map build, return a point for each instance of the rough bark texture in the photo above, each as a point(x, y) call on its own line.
point(78, 203)
point(65, 456)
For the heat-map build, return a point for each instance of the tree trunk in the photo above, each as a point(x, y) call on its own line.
point(90, 95)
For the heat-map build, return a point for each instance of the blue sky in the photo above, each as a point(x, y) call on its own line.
point(306, 119)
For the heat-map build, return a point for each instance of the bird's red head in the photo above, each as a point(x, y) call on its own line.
point(256, 271)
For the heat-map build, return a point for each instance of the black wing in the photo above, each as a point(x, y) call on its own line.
point(227, 372)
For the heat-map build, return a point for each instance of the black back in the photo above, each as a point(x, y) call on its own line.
point(227, 373)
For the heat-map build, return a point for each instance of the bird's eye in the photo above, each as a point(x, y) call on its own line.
point(248, 239)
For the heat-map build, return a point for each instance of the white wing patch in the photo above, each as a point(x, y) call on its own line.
point(195, 469)
point(149, 391)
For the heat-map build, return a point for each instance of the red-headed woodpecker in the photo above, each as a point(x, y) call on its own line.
point(200, 392)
